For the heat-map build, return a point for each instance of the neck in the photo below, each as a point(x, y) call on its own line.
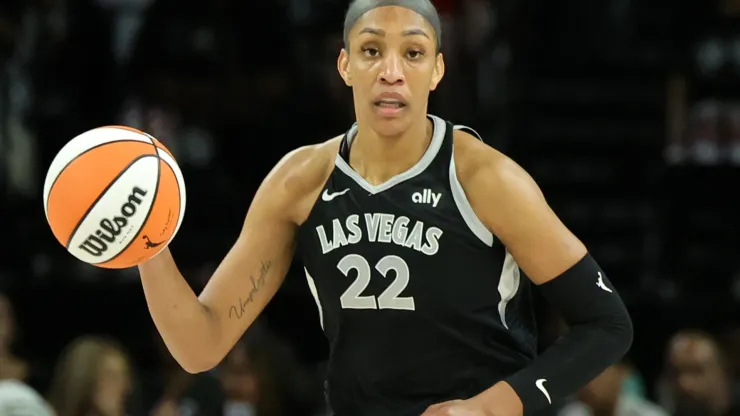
point(378, 158)
point(721, 404)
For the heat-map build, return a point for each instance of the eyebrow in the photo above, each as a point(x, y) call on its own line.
point(381, 32)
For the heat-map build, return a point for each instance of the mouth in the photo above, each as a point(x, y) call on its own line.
point(389, 103)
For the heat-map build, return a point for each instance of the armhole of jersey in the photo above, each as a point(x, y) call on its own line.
point(315, 294)
point(323, 187)
point(466, 211)
point(468, 130)
point(509, 281)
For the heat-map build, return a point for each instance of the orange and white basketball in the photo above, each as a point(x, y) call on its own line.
point(114, 197)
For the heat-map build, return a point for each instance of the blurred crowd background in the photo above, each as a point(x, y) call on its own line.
point(626, 112)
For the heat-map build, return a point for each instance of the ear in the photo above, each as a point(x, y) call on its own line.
point(439, 71)
point(343, 67)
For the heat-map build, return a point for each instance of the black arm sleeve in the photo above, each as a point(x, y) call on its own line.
point(600, 334)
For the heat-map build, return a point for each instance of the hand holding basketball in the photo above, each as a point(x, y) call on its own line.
point(114, 197)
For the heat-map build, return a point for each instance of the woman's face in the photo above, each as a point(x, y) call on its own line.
point(113, 384)
point(237, 378)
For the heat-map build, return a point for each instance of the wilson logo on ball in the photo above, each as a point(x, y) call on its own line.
point(97, 244)
point(108, 191)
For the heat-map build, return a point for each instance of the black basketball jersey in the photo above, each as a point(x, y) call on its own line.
point(419, 301)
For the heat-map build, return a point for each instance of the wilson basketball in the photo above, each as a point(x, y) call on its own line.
point(114, 197)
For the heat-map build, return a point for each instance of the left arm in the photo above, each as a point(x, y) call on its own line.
point(511, 205)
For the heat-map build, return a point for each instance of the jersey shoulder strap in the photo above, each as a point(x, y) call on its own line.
point(344, 145)
point(468, 130)
point(461, 200)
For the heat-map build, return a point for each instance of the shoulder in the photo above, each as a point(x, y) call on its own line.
point(308, 166)
point(501, 193)
point(299, 176)
point(16, 392)
point(482, 169)
point(508, 202)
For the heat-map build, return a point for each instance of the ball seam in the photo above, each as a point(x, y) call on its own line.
point(64, 168)
point(100, 196)
point(151, 207)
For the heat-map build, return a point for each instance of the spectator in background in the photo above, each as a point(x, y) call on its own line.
point(696, 380)
point(169, 390)
point(607, 395)
point(239, 381)
point(261, 376)
point(703, 103)
point(92, 378)
point(612, 393)
point(17, 399)
point(11, 366)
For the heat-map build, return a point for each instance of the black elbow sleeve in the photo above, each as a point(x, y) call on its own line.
point(585, 296)
point(600, 335)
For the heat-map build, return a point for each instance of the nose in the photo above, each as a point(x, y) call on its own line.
point(392, 71)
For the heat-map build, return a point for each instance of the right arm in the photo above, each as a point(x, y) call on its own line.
point(200, 330)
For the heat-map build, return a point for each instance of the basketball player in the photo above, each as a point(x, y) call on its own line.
point(412, 233)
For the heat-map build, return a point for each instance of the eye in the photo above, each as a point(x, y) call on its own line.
point(370, 52)
point(415, 54)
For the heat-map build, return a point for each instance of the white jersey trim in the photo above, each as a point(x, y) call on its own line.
point(315, 294)
point(510, 279)
point(463, 205)
point(469, 130)
point(423, 163)
point(508, 285)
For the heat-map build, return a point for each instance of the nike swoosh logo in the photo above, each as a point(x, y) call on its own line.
point(326, 196)
point(541, 385)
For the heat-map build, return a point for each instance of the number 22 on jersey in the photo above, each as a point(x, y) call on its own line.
point(352, 298)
